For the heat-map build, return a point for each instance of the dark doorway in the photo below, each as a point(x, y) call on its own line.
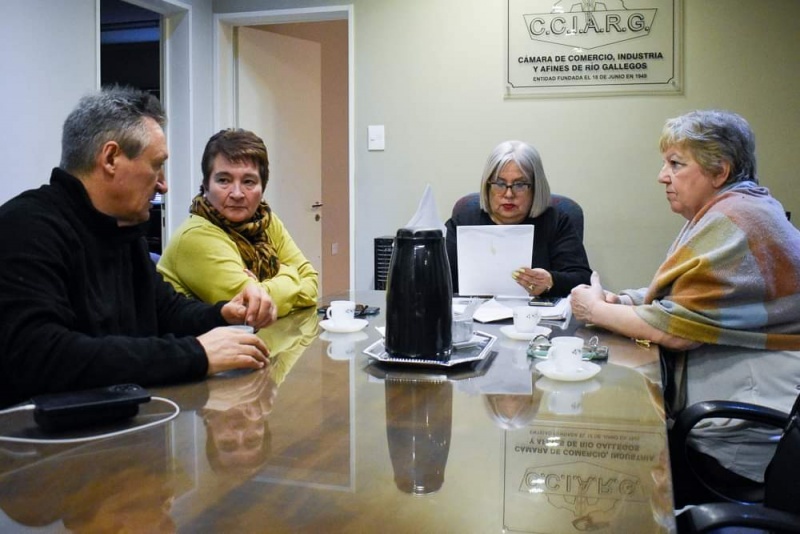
point(130, 46)
point(130, 54)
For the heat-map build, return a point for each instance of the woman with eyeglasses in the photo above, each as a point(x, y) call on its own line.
point(514, 190)
point(233, 237)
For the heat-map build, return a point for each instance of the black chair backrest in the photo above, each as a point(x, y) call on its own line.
point(572, 209)
point(563, 204)
point(782, 478)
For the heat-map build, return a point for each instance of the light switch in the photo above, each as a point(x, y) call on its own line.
point(376, 138)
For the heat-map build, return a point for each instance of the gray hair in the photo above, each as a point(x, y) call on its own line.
point(714, 137)
point(113, 114)
point(529, 162)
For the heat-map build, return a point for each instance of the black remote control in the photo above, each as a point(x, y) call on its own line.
point(77, 409)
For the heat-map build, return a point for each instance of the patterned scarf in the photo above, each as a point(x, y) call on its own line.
point(250, 237)
point(732, 276)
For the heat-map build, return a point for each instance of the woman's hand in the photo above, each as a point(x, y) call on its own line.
point(535, 281)
point(253, 306)
point(591, 304)
point(583, 298)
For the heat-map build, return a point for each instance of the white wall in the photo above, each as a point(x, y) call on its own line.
point(431, 71)
point(48, 60)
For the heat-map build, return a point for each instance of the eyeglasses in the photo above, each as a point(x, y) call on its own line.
point(517, 187)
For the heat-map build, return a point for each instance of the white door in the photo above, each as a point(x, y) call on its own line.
point(279, 98)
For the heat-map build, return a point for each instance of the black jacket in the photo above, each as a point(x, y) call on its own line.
point(556, 247)
point(81, 304)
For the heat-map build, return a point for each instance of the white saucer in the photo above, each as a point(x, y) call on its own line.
point(352, 337)
point(354, 326)
point(586, 371)
point(511, 332)
point(549, 385)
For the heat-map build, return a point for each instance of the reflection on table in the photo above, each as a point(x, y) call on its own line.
point(326, 441)
point(419, 417)
point(104, 487)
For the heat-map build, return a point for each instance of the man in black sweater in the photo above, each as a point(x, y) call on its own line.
point(81, 304)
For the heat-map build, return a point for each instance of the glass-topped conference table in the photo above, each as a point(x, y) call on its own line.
point(328, 440)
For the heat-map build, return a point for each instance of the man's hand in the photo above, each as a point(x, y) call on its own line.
point(583, 298)
point(253, 306)
point(228, 348)
point(225, 393)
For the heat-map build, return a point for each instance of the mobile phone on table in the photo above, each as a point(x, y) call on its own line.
point(544, 301)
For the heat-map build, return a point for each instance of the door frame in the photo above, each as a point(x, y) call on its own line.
point(177, 98)
point(225, 90)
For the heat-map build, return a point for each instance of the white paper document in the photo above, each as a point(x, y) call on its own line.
point(487, 255)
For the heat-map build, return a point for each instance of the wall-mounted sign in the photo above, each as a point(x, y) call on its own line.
point(583, 47)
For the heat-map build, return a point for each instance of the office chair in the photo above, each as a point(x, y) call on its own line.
point(566, 205)
point(779, 510)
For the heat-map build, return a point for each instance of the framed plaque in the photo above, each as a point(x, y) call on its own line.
point(593, 47)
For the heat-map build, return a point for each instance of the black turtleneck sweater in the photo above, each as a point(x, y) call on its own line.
point(81, 304)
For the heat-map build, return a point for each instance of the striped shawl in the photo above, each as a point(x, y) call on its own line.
point(732, 276)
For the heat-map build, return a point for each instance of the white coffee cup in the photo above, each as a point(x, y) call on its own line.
point(343, 346)
point(566, 353)
point(341, 350)
point(526, 319)
point(341, 312)
point(565, 401)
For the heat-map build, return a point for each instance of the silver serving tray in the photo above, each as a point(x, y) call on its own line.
point(475, 350)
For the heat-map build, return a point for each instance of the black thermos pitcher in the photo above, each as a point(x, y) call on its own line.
point(419, 297)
